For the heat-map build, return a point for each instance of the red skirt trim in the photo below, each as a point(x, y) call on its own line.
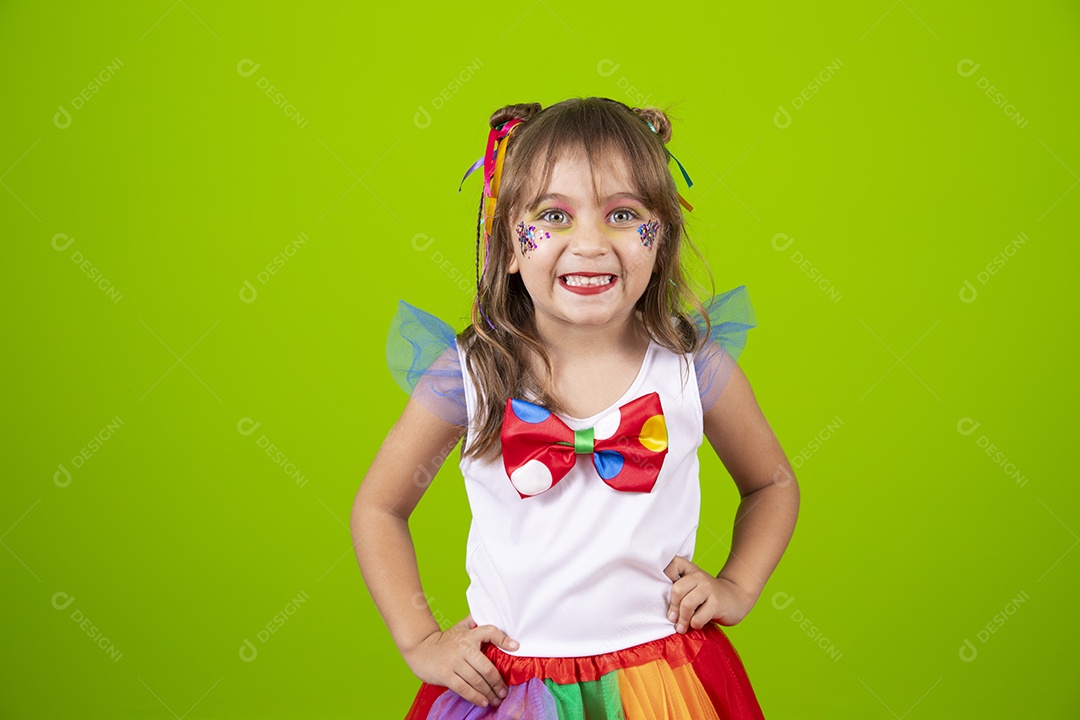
point(677, 649)
point(713, 659)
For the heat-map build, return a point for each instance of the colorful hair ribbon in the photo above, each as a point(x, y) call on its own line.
point(492, 162)
point(493, 166)
point(686, 176)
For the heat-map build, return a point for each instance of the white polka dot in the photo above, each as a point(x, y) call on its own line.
point(607, 425)
point(531, 478)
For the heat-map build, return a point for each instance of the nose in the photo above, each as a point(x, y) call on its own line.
point(590, 240)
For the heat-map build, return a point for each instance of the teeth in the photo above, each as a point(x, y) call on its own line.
point(588, 281)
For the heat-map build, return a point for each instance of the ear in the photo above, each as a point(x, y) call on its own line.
point(512, 266)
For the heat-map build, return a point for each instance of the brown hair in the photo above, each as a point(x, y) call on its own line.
point(599, 127)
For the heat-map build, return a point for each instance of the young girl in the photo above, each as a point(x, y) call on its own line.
point(581, 392)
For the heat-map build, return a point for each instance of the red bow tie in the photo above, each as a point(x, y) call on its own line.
point(627, 445)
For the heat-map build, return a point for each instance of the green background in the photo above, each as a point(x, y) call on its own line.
point(144, 565)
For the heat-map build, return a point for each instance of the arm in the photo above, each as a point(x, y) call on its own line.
point(765, 518)
point(391, 489)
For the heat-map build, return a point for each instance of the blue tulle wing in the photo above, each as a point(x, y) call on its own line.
point(421, 352)
point(731, 316)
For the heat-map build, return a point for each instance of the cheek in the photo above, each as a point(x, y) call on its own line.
point(529, 237)
point(638, 261)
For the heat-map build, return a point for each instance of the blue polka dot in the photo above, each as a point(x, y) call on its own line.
point(609, 463)
point(527, 412)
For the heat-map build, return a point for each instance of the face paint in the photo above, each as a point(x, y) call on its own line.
point(648, 232)
point(528, 236)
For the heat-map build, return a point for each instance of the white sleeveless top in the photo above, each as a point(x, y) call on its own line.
point(579, 569)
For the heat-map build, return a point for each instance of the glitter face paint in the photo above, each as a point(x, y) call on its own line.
point(647, 232)
point(528, 236)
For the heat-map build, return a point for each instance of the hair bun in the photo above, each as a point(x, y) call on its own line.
point(659, 120)
point(509, 112)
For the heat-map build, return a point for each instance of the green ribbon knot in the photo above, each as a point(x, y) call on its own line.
point(583, 441)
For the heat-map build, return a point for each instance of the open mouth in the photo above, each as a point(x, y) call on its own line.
point(586, 280)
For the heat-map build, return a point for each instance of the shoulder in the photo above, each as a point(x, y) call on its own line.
point(441, 387)
point(713, 367)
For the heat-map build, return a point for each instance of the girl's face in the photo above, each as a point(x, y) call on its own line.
point(585, 264)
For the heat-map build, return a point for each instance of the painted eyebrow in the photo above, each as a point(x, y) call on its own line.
point(609, 198)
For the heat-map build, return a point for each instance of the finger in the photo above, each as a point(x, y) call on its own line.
point(702, 615)
point(488, 681)
point(484, 665)
point(465, 690)
point(689, 605)
point(675, 567)
point(493, 634)
point(677, 592)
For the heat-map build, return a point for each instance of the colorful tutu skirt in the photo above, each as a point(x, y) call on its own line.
point(696, 675)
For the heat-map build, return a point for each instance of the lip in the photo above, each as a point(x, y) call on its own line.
point(587, 289)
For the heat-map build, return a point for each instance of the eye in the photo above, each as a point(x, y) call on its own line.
point(546, 215)
point(626, 214)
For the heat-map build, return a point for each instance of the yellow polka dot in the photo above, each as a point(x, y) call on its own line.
point(654, 434)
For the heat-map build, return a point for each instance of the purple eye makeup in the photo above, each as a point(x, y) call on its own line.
point(647, 232)
point(527, 236)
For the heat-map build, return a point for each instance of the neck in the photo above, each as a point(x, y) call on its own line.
point(574, 342)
